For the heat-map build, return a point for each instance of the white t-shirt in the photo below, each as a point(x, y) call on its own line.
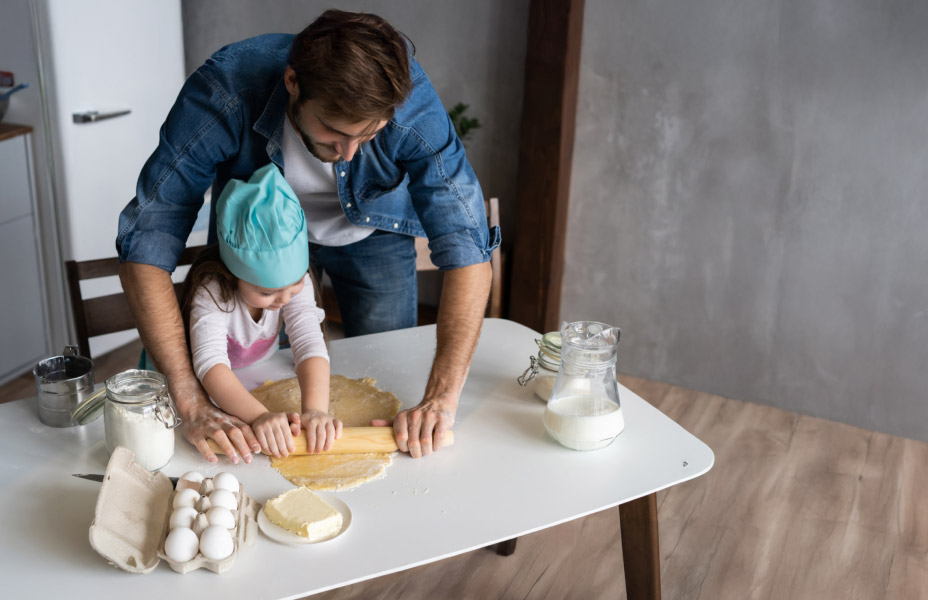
point(314, 184)
point(225, 333)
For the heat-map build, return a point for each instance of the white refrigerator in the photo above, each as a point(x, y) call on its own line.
point(110, 72)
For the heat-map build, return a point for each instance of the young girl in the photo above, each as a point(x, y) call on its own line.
point(238, 295)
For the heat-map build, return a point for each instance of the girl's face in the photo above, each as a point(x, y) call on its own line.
point(268, 298)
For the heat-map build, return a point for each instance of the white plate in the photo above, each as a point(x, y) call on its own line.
point(283, 536)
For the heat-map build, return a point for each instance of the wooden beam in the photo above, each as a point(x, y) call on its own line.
point(552, 72)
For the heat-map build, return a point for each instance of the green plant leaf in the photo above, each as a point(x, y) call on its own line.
point(464, 126)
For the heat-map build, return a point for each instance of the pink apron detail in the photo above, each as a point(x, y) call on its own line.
point(240, 356)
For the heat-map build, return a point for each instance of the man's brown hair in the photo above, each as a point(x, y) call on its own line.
point(354, 64)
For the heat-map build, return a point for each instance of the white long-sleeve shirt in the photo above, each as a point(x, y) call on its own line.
point(225, 333)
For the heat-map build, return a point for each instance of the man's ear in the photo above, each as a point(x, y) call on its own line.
point(293, 87)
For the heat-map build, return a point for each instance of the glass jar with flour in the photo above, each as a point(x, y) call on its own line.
point(583, 412)
point(140, 416)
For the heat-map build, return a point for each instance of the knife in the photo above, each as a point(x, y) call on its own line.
point(99, 478)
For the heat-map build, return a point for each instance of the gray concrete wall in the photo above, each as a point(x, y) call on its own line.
point(473, 52)
point(748, 200)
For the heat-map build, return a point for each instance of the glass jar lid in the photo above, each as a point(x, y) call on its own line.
point(550, 345)
point(136, 386)
point(90, 409)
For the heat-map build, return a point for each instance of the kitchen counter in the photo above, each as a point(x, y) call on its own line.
point(11, 130)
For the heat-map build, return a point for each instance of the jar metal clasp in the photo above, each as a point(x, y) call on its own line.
point(529, 373)
point(165, 411)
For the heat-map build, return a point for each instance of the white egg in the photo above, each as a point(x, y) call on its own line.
point(221, 516)
point(216, 542)
point(183, 517)
point(186, 497)
point(190, 480)
point(226, 481)
point(223, 498)
point(181, 544)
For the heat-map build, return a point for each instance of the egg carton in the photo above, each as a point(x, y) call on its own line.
point(132, 516)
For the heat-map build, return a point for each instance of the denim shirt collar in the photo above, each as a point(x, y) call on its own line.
point(271, 122)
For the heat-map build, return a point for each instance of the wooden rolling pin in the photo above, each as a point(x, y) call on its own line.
point(354, 440)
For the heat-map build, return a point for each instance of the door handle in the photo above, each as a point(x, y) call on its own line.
point(92, 116)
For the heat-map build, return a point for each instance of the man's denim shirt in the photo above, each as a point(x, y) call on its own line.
point(412, 178)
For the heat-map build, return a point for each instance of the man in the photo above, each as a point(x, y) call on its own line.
point(360, 134)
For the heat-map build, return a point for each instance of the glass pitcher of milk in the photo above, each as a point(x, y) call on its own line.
point(583, 412)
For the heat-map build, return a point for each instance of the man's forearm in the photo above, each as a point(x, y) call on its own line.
point(151, 297)
point(460, 316)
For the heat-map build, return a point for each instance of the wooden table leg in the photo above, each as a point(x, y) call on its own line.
point(640, 549)
point(506, 548)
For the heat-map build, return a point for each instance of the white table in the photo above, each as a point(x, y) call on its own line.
point(503, 478)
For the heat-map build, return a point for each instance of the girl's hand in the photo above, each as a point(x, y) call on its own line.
point(294, 418)
point(321, 430)
point(274, 434)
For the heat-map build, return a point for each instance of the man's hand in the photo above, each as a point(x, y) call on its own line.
point(421, 430)
point(202, 421)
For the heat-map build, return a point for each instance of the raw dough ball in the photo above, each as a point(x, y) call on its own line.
point(183, 517)
point(221, 516)
point(226, 481)
point(190, 480)
point(223, 498)
point(216, 542)
point(181, 544)
point(186, 497)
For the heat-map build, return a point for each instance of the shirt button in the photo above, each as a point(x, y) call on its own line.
point(348, 205)
point(342, 174)
point(396, 226)
point(367, 220)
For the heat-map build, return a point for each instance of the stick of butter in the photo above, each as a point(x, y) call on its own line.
point(302, 512)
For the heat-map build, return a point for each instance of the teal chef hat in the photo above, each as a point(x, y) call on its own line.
point(262, 230)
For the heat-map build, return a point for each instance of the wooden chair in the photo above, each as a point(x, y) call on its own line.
point(105, 314)
point(428, 314)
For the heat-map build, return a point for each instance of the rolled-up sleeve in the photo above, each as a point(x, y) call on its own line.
point(444, 189)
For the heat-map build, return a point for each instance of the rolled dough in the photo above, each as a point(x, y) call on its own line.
point(356, 402)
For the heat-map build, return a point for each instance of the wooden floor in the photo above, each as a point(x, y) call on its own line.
point(794, 508)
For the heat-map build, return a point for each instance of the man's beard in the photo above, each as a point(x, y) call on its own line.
point(308, 142)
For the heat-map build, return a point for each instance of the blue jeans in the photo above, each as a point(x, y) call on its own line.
point(374, 281)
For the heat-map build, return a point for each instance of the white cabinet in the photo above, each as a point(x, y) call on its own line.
point(23, 328)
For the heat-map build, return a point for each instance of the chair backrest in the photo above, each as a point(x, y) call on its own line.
point(495, 306)
point(105, 314)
